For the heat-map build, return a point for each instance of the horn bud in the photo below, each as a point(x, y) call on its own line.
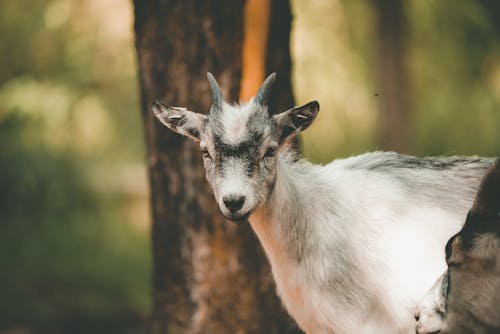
point(264, 92)
point(216, 92)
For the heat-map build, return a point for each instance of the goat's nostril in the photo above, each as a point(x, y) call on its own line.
point(234, 202)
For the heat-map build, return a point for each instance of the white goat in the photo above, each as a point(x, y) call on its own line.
point(353, 245)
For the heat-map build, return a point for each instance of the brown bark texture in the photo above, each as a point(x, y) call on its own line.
point(209, 275)
point(394, 122)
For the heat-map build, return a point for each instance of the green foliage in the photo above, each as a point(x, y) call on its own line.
point(64, 250)
point(74, 242)
point(453, 63)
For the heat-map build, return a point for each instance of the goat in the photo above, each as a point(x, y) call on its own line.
point(353, 245)
point(469, 297)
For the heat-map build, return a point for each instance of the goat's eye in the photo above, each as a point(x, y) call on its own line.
point(205, 153)
point(453, 264)
point(270, 152)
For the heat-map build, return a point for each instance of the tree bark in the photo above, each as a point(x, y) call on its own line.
point(209, 275)
point(278, 57)
point(394, 122)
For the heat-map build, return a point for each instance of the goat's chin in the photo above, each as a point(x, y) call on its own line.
point(237, 217)
point(430, 325)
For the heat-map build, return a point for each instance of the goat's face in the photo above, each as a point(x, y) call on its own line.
point(472, 283)
point(473, 258)
point(239, 145)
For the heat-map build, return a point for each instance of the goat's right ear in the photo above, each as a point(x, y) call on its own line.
point(180, 120)
point(485, 213)
point(297, 119)
point(487, 201)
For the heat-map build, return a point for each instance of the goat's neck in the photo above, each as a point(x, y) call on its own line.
point(281, 220)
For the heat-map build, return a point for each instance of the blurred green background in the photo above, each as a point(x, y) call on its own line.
point(74, 221)
point(74, 224)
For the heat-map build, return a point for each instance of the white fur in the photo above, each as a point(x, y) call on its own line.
point(394, 236)
point(235, 182)
point(234, 120)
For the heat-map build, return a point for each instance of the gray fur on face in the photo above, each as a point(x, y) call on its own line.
point(247, 153)
point(244, 139)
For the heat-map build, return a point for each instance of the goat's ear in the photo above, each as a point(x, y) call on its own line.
point(485, 213)
point(297, 119)
point(487, 202)
point(180, 120)
point(484, 216)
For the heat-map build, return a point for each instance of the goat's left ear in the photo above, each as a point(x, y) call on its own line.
point(297, 119)
point(487, 202)
point(180, 120)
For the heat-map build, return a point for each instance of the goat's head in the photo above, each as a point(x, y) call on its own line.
point(472, 299)
point(473, 258)
point(239, 144)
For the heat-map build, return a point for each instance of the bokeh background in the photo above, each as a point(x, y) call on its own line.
point(74, 213)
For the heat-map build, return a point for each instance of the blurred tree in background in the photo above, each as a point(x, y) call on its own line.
point(392, 76)
point(74, 239)
point(453, 66)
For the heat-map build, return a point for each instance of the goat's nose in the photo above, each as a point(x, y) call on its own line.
point(233, 202)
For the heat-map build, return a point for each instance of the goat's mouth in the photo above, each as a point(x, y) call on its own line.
point(427, 328)
point(238, 217)
point(434, 332)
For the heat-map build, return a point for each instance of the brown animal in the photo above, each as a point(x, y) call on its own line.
point(471, 287)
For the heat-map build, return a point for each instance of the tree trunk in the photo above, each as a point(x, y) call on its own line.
point(210, 275)
point(394, 123)
point(278, 55)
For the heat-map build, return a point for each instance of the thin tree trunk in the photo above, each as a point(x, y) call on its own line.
point(394, 123)
point(278, 55)
point(210, 275)
point(266, 50)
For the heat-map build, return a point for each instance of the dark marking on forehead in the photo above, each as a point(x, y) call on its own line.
point(248, 147)
point(247, 151)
